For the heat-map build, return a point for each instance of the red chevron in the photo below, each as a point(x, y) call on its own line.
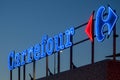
point(88, 29)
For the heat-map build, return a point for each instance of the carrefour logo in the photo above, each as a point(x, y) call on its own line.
point(49, 45)
point(100, 23)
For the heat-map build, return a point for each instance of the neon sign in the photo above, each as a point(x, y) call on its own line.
point(100, 23)
point(41, 50)
point(61, 41)
point(89, 27)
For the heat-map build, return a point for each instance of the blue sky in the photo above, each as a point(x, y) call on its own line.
point(23, 23)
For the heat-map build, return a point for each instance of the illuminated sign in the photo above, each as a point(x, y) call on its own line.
point(100, 23)
point(63, 40)
point(41, 50)
point(89, 27)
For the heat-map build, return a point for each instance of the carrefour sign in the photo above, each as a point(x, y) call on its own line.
point(49, 45)
point(46, 47)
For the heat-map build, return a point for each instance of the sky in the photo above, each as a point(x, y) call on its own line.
point(24, 22)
